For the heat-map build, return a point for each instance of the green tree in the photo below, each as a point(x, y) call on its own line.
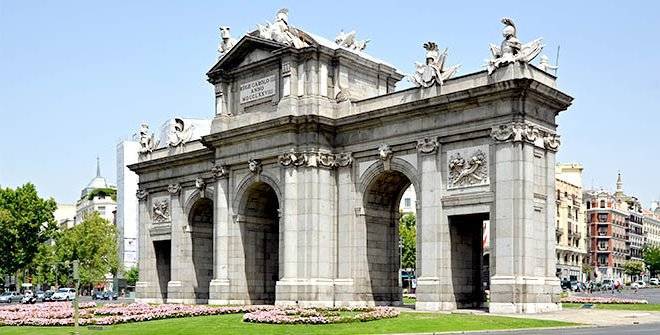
point(94, 243)
point(44, 265)
point(633, 268)
point(26, 222)
point(132, 276)
point(408, 235)
point(652, 258)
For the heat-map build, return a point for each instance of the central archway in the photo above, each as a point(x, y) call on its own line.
point(260, 232)
point(381, 208)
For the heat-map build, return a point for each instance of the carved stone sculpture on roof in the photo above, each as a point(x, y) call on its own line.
point(512, 50)
point(227, 42)
point(179, 133)
point(280, 31)
point(544, 64)
point(146, 139)
point(432, 72)
point(347, 40)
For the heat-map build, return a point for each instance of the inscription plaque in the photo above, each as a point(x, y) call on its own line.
point(257, 89)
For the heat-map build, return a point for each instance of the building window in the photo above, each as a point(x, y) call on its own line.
point(602, 204)
point(406, 202)
point(588, 204)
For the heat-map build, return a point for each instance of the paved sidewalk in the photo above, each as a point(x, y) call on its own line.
point(596, 317)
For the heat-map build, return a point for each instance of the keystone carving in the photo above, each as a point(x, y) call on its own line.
point(384, 152)
point(254, 165)
point(219, 171)
point(427, 145)
point(174, 188)
point(200, 184)
point(160, 211)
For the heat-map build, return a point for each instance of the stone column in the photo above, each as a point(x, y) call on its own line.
point(434, 290)
point(345, 294)
point(219, 288)
point(180, 288)
point(519, 240)
point(307, 239)
point(147, 289)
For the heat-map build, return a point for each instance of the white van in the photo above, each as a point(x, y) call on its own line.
point(64, 294)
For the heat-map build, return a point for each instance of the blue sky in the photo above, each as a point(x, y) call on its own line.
point(77, 76)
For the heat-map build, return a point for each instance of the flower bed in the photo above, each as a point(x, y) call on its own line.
point(319, 316)
point(602, 300)
point(61, 313)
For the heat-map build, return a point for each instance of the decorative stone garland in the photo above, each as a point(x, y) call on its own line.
point(317, 316)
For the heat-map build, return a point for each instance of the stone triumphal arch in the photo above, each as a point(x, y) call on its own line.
point(290, 194)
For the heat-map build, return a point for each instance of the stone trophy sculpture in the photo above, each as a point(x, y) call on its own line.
point(227, 42)
point(280, 31)
point(179, 134)
point(347, 40)
point(146, 139)
point(544, 64)
point(432, 72)
point(511, 50)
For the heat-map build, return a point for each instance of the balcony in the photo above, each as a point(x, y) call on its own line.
point(603, 248)
point(559, 232)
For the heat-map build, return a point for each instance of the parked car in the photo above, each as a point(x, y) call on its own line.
point(565, 284)
point(109, 295)
point(654, 281)
point(48, 296)
point(97, 295)
point(638, 284)
point(9, 297)
point(606, 284)
point(40, 295)
point(64, 294)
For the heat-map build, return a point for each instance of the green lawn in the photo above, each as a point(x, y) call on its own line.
point(232, 324)
point(409, 301)
point(627, 307)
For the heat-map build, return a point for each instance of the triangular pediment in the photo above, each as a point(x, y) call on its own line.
point(249, 49)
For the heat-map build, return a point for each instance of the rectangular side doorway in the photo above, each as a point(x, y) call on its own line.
point(467, 259)
point(163, 251)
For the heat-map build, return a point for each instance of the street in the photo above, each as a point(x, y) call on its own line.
point(617, 330)
point(650, 294)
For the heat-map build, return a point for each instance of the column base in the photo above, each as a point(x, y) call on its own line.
point(433, 296)
point(219, 293)
point(146, 292)
point(520, 294)
point(179, 292)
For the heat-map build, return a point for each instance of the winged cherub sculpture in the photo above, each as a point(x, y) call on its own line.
point(511, 50)
point(432, 72)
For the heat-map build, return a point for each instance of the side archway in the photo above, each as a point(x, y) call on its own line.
point(258, 207)
point(200, 222)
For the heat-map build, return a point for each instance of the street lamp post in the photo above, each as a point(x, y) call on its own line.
point(76, 277)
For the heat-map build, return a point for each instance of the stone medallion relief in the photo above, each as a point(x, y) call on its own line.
point(467, 167)
point(160, 211)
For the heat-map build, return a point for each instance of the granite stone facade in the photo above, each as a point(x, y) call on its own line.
point(293, 197)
